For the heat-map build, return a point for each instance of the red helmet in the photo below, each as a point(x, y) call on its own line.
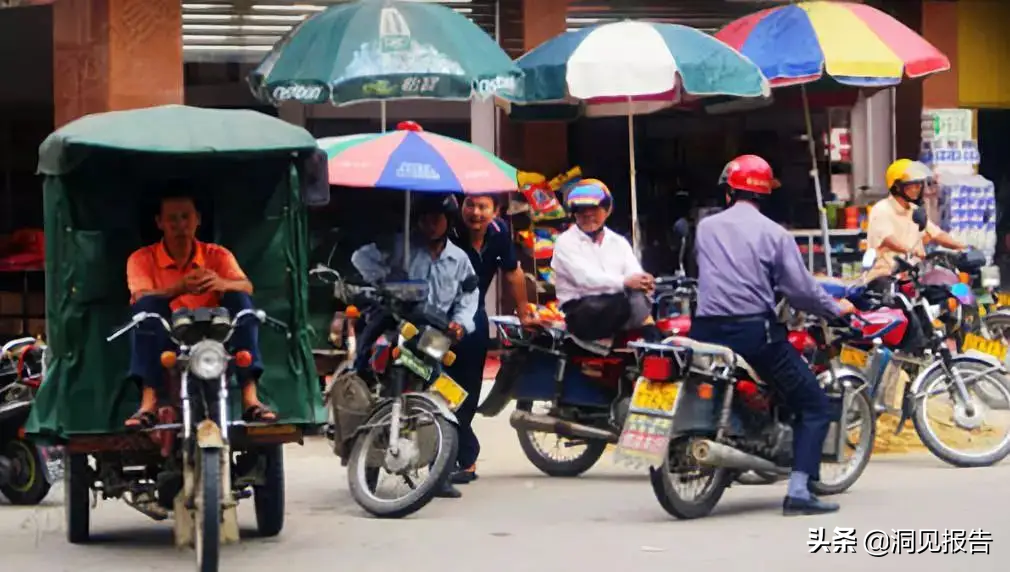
point(748, 173)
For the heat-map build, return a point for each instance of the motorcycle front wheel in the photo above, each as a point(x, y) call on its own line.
point(990, 399)
point(861, 431)
point(208, 511)
point(428, 442)
point(671, 487)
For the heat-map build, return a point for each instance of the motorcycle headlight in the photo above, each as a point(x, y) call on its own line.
point(434, 343)
point(208, 359)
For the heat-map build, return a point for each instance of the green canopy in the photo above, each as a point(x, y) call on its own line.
point(170, 129)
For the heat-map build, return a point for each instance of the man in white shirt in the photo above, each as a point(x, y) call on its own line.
point(600, 284)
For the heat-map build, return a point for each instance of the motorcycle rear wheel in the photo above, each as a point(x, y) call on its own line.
point(663, 486)
point(554, 467)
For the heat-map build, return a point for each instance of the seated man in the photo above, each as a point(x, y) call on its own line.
point(600, 284)
point(182, 272)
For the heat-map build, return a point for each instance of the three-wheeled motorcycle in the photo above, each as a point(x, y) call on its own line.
point(103, 177)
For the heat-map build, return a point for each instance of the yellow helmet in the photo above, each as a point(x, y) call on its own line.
point(905, 171)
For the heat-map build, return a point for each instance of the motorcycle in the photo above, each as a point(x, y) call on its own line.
point(196, 478)
point(27, 469)
point(403, 421)
point(700, 416)
point(907, 333)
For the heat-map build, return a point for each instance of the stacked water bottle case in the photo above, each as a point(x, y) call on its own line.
point(967, 210)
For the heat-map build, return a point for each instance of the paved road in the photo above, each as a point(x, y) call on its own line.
point(513, 519)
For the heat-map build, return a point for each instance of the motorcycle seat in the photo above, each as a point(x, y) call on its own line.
point(723, 352)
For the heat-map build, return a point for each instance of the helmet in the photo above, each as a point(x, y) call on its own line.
point(588, 193)
point(748, 173)
point(904, 172)
point(428, 203)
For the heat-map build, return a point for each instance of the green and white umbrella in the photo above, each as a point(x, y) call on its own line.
point(382, 50)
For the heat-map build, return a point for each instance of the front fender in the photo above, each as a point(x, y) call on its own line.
point(970, 356)
point(854, 377)
point(382, 407)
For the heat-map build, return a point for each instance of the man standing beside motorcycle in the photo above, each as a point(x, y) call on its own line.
point(893, 229)
point(432, 259)
point(488, 242)
point(743, 259)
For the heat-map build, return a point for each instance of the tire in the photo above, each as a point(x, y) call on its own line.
point(933, 443)
point(552, 467)
point(76, 502)
point(864, 449)
point(671, 500)
point(757, 478)
point(29, 486)
point(361, 478)
point(269, 497)
point(208, 513)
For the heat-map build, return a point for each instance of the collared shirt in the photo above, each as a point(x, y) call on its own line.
point(497, 253)
point(151, 268)
point(743, 258)
point(584, 268)
point(444, 275)
point(889, 218)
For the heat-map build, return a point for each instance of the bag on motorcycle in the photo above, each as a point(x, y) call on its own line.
point(350, 402)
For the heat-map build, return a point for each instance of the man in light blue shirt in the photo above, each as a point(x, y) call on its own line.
point(432, 259)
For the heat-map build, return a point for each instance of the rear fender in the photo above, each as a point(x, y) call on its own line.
point(505, 381)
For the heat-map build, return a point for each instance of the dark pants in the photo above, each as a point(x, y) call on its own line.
point(371, 325)
point(605, 315)
point(149, 339)
point(763, 343)
point(468, 371)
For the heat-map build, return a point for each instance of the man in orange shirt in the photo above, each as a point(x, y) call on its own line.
point(182, 272)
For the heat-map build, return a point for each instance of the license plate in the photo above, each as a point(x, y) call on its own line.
point(655, 396)
point(994, 348)
point(1003, 298)
point(450, 390)
point(644, 441)
point(271, 430)
point(853, 357)
point(414, 364)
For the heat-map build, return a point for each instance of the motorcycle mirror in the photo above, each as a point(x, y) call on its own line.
point(869, 258)
point(920, 218)
point(680, 228)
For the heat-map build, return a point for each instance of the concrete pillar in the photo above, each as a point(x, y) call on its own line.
point(115, 54)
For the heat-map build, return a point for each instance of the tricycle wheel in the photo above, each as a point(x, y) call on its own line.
point(76, 492)
point(269, 497)
point(208, 511)
point(27, 484)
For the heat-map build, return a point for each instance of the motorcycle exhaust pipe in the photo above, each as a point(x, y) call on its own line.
point(714, 454)
point(526, 421)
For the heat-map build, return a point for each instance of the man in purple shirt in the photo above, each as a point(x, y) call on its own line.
point(743, 257)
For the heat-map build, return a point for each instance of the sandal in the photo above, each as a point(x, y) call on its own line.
point(143, 419)
point(259, 414)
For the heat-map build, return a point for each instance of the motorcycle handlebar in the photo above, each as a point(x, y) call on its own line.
point(142, 317)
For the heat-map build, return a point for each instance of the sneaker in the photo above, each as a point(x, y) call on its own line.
point(793, 506)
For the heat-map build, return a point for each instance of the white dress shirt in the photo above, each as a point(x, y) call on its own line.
point(584, 268)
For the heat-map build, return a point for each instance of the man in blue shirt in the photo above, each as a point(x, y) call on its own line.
point(488, 242)
point(433, 259)
point(743, 257)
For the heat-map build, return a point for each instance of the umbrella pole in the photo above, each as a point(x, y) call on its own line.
point(635, 239)
point(406, 200)
point(817, 180)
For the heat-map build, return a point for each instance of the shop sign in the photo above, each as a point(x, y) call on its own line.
point(947, 124)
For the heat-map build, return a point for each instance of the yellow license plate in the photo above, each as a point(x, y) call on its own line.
point(271, 430)
point(994, 348)
point(654, 395)
point(450, 390)
point(853, 357)
point(1003, 298)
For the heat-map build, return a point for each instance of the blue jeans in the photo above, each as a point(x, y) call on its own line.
point(763, 343)
point(150, 339)
point(468, 371)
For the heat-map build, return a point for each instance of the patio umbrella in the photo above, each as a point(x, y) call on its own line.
point(381, 50)
point(411, 160)
point(630, 68)
point(844, 43)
